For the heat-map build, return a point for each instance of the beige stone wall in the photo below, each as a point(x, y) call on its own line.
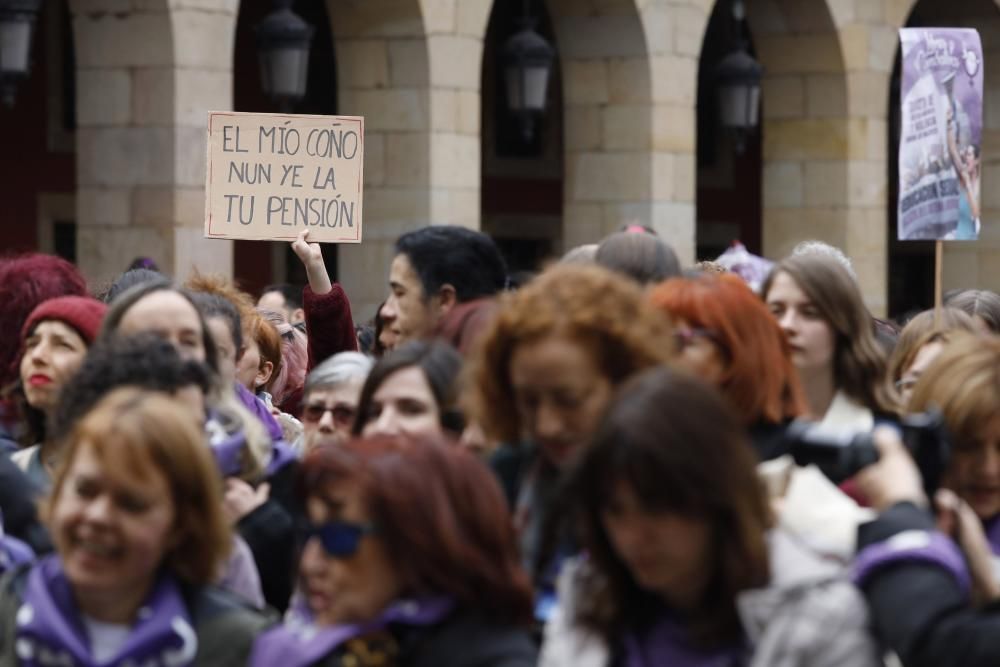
point(149, 70)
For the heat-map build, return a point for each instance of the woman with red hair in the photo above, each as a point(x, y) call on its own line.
point(410, 558)
point(726, 336)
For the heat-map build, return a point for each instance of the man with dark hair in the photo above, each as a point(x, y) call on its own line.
point(441, 283)
point(285, 300)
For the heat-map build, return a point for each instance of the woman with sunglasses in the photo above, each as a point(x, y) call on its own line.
point(683, 565)
point(410, 558)
point(136, 517)
point(726, 336)
point(330, 399)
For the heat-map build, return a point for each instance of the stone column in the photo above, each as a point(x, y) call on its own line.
point(147, 73)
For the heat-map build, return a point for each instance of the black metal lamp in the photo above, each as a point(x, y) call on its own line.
point(283, 41)
point(17, 20)
point(738, 86)
point(527, 60)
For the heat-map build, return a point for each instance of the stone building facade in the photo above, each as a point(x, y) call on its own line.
point(147, 71)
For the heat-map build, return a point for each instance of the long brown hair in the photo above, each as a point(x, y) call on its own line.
point(859, 364)
point(442, 517)
point(682, 449)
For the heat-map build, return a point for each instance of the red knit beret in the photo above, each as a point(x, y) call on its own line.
point(82, 313)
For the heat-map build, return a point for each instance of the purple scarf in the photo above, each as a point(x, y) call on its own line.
point(992, 529)
point(13, 552)
point(301, 643)
point(666, 643)
point(281, 453)
point(50, 631)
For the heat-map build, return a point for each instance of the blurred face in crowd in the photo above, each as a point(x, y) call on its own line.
point(923, 359)
point(811, 338)
point(346, 587)
point(404, 404)
point(328, 413)
point(699, 353)
point(408, 312)
point(275, 302)
point(53, 352)
point(560, 393)
point(248, 370)
point(112, 528)
point(170, 315)
point(222, 336)
point(666, 553)
point(974, 472)
point(388, 337)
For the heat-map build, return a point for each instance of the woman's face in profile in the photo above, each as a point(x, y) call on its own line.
point(355, 581)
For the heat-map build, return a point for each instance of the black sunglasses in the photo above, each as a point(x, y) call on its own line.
point(340, 539)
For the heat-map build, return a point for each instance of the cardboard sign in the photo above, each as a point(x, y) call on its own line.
point(942, 126)
point(269, 176)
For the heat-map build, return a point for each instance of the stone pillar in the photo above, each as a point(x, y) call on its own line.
point(146, 76)
point(382, 72)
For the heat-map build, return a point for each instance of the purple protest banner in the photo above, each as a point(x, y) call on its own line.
point(941, 102)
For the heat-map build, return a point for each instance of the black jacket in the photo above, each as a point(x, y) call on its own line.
point(920, 610)
point(270, 532)
point(463, 639)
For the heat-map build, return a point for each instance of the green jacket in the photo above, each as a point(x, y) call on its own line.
point(225, 627)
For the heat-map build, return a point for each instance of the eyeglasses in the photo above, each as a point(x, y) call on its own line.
point(340, 539)
point(686, 337)
point(343, 415)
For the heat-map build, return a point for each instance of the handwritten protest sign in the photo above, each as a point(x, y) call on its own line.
point(269, 176)
point(942, 124)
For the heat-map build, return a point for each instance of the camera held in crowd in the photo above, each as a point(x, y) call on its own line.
point(842, 455)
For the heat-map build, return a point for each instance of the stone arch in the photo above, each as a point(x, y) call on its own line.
point(145, 77)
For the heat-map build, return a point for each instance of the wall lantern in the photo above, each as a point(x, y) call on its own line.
point(283, 41)
point(738, 86)
point(17, 20)
point(527, 61)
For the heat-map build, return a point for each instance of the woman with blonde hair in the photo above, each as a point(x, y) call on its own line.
point(920, 341)
point(541, 377)
point(963, 383)
point(136, 517)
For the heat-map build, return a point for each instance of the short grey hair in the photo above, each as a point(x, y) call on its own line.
point(338, 369)
point(820, 248)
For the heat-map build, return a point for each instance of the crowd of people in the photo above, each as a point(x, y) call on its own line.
point(617, 462)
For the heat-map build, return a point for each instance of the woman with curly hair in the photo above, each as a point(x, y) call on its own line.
point(541, 378)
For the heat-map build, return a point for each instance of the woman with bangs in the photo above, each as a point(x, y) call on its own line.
point(683, 564)
point(136, 517)
point(726, 336)
point(542, 375)
point(410, 558)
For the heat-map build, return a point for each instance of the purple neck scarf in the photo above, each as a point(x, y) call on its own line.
point(50, 631)
point(301, 643)
point(666, 643)
point(992, 529)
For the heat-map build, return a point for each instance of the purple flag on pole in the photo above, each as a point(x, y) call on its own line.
point(941, 103)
